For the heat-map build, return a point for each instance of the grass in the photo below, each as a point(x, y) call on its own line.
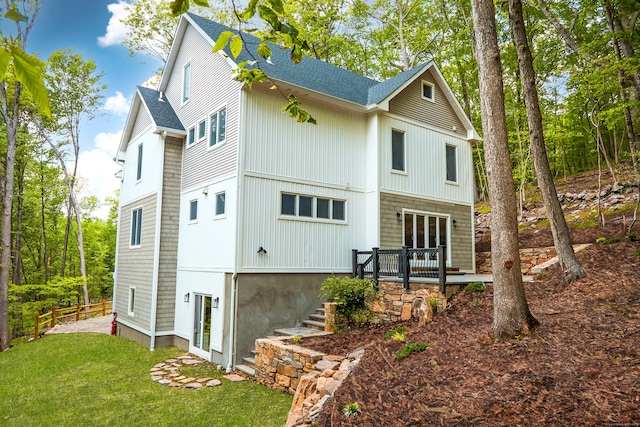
point(99, 380)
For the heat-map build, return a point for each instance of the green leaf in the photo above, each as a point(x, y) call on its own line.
point(5, 59)
point(222, 41)
point(14, 15)
point(29, 70)
point(250, 11)
point(277, 6)
point(203, 3)
point(235, 46)
point(270, 16)
point(264, 50)
point(296, 54)
point(179, 7)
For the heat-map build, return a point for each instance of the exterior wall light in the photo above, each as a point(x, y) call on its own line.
point(186, 297)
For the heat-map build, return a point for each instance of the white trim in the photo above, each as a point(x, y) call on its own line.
point(429, 198)
point(140, 208)
point(427, 127)
point(192, 143)
point(433, 90)
point(447, 181)
point(428, 214)
point(404, 150)
point(222, 215)
point(131, 302)
point(134, 327)
point(189, 219)
point(199, 138)
point(291, 180)
point(314, 209)
point(203, 269)
point(185, 98)
point(208, 137)
point(278, 270)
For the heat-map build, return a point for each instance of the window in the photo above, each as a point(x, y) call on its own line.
point(136, 227)
point(452, 175)
point(428, 91)
point(202, 129)
point(193, 210)
point(131, 307)
point(220, 199)
point(218, 127)
point(139, 171)
point(312, 207)
point(288, 204)
point(397, 150)
point(191, 136)
point(186, 82)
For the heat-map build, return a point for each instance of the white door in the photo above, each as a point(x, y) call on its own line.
point(201, 340)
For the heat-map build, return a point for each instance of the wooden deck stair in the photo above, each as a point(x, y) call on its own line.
point(314, 324)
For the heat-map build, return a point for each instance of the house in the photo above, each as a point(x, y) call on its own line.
point(232, 214)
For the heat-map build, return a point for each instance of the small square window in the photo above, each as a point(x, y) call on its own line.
point(428, 91)
point(220, 203)
point(191, 136)
point(322, 208)
point(288, 205)
point(193, 210)
point(305, 206)
point(202, 129)
point(338, 210)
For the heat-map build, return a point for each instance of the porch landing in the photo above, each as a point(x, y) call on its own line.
point(453, 279)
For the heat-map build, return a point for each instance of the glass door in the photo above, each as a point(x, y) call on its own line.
point(202, 324)
point(424, 231)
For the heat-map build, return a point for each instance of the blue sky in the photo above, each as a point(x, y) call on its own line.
point(91, 28)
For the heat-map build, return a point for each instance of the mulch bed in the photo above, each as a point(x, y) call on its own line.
point(580, 367)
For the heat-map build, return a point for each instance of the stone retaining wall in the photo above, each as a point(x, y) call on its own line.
point(529, 258)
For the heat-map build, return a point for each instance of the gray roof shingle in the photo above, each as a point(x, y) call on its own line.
point(160, 109)
point(311, 73)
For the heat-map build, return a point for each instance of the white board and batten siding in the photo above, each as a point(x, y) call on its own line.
point(425, 163)
point(151, 178)
point(212, 88)
point(327, 160)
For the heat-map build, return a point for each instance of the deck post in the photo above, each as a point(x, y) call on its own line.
point(374, 264)
point(404, 266)
point(354, 262)
point(442, 268)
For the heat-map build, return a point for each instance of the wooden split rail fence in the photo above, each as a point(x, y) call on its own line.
point(75, 311)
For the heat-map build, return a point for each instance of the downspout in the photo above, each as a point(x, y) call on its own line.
point(156, 250)
point(115, 270)
point(239, 206)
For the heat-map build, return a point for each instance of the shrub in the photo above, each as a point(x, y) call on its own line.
point(608, 241)
point(351, 409)
point(352, 297)
point(408, 349)
point(397, 334)
point(475, 287)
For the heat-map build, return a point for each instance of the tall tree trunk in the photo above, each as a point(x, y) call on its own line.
point(65, 242)
point(571, 267)
point(43, 224)
point(511, 315)
point(17, 246)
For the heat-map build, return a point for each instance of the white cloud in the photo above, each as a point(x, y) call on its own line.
point(116, 30)
point(97, 170)
point(117, 104)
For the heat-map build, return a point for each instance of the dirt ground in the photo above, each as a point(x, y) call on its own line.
point(580, 367)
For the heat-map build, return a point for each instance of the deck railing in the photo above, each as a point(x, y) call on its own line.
point(404, 263)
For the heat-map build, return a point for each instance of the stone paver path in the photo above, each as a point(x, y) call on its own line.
point(168, 373)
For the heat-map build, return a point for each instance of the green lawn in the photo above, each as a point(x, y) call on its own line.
point(99, 380)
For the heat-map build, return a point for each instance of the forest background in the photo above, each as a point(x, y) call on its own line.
point(587, 75)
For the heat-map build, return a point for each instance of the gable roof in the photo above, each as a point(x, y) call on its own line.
point(163, 116)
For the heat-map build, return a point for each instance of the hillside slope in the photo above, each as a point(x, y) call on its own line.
point(580, 367)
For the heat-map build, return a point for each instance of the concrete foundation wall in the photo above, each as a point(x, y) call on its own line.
point(270, 301)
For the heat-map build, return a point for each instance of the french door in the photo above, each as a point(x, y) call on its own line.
point(423, 230)
point(201, 341)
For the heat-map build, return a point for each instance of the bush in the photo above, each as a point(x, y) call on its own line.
point(352, 297)
point(475, 287)
point(413, 347)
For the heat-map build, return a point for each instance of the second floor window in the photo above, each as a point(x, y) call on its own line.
point(136, 227)
point(397, 150)
point(139, 170)
point(218, 127)
point(452, 173)
point(186, 82)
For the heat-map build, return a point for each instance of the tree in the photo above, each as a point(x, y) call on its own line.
point(571, 267)
point(75, 94)
point(511, 315)
point(17, 68)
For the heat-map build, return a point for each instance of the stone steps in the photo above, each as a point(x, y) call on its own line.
point(313, 325)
